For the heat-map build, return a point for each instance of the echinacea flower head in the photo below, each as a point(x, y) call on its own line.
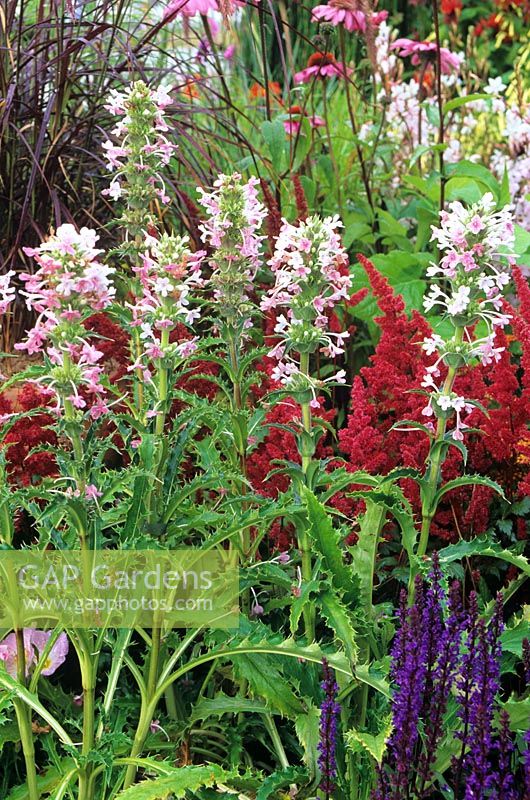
point(349, 14)
point(322, 65)
point(234, 218)
point(190, 8)
point(297, 114)
point(35, 643)
point(420, 52)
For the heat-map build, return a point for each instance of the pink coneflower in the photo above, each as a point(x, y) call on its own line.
point(420, 52)
point(296, 114)
point(322, 65)
point(347, 13)
point(189, 8)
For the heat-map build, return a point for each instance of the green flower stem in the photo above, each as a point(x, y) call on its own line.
point(73, 428)
point(74, 433)
point(162, 387)
point(234, 363)
point(88, 678)
point(233, 352)
point(303, 538)
point(23, 714)
point(146, 717)
point(149, 702)
point(436, 463)
point(139, 383)
point(276, 740)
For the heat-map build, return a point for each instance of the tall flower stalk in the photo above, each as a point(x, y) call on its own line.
point(476, 245)
point(309, 264)
point(231, 231)
point(137, 154)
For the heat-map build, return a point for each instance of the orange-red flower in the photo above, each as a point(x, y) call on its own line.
point(257, 90)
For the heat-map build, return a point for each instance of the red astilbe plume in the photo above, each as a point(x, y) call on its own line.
point(113, 342)
point(274, 217)
point(397, 368)
point(28, 433)
point(521, 327)
point(300, 198)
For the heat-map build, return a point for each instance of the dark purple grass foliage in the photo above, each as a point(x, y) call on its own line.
point(444, 657)
point(330, 711)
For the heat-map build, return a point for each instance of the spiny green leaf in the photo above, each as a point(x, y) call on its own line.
point(307, 728)
point(223, 704)
point(340, 622)
point(375, 745)
point(482, 546)
point(277, 780)
point(176, 785)
point(469, 480)
point(327, 542)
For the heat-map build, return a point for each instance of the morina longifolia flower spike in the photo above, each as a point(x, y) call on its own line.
point(232, 232)
point(169, 273)
point(476, 247)
point(138, 153)
point(70, 284)
point(309, 264)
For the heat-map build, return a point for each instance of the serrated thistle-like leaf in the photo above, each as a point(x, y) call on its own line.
point(469, 480)
point(268, 682)
point(47, 782)
point(175, 785)
point(277, 780)
point(374, 744)
point(307, 728)
point(339, 620)
point(224, 704)
point(327, 542)
point(482, 546)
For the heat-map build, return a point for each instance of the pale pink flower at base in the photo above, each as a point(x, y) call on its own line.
point(427, 51)
point(34, 645)
point(57, 654)
point(346, 12)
